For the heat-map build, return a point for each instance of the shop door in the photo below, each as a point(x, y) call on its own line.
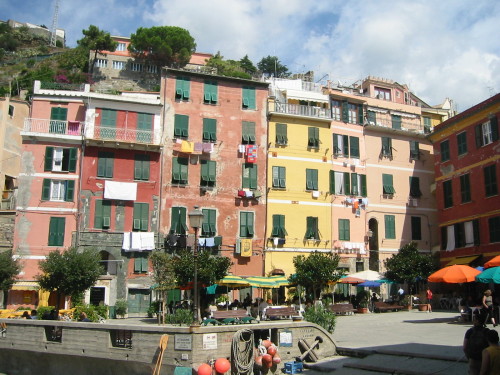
point(138, 300)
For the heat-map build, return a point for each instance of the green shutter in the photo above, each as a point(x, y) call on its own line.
point(363, 186)
point(144, 127)
point(361, 117)
point(137, 263)
point(396, 121)
point(210, 92)
point(345, 111)
point(344, 230)
point(73, 155)
point(209, 130)
point(98, 214)
point(390, 229)
point(332, 181)
point(386, 146)
point(181, 126)
point(182, 88)
point(141, 217)
point(70, 190)
point(49, 158)
point(347, 183)
point(336, 149)
point(415, 187)
point(354, 147)
point(56, 231)
point(281, 134)
point(478, 132)
point(354, 184)
point(387, 182)
point(253, 176)
point(414, 150)
point(345, 151)
point(494, 128)
point(46, 189)
point(371, 117)
point(141, 167)
point(248, 98)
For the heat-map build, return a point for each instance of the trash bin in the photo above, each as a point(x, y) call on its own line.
point(112, 312)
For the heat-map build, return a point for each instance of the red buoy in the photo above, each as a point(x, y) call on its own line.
point(222, 365)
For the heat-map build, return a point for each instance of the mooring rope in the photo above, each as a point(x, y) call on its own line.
point(243, 357)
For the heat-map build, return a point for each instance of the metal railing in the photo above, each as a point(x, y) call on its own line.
point(124, 135)
point(303, 110)
point(47, 126)
point(414, 126)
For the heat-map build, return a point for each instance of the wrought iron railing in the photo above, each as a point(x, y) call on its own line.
point(124, 135)
point(413, 126)
point(303, 110)
point(47, 126)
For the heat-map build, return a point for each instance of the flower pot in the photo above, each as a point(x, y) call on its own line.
point(422, 307)
point(362, 310)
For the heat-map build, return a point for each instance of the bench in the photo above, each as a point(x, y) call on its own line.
point(280, 312)
point(343, 309)
point(383, 306)
point(229, 317)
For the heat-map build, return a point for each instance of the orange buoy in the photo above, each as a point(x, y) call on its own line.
point(205, 369)
point(222, 365)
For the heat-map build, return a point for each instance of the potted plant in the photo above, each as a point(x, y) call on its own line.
point(406, 301)
point(362, 301)
point(121, 307)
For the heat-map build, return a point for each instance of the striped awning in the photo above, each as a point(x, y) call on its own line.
point(25, 285)
point(262, 282)
point(462, 260)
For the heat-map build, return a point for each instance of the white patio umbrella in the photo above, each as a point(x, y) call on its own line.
point(367, 275)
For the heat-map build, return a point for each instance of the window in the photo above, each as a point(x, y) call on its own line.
point(181, 126)
point(312, 232)
point(462, 143)
point(490, 180)
point(102, 214)
point(118, 65)
point(352, 113)
point(386, 147)
point(151, 68)
point(248, 133)
point(56, 231)
point(313, 137)
point(248, 98)
point(180, 171)
point(249, 176)
point(494, 229)
point(414, 150)
point(465, 188)
point(344, 230)
point(144, 126)
point(209, 130)
point(178, 217)
point(246, 224)
point(101, 63)
point(487, 132)
point(141, 217)
point(381, 93)
point(387, 184)
point(60, 159)
point(341, 145)
point(141, 167)
point(416, 228)
point(358, 184)
point(208, 227)
point(279, 226)
point(371, 117)
point(427, 124)
point(354, 147)
point(281, 134)
point(105, 161)
point(390, 226)
point(464, 234)
point(182, 88)
point(210, 92)
point(121, 47)
point(58, 190)
point(58, 116)
point(339, 183)
point(447, 194)
point(140, 262)
point(396, 121)
point(279, 177)
point(136, 67)
point(335, 110)
point(445, 151)
point(311, 179)
point(208, 173)
point(415, 187)
point(108, 124)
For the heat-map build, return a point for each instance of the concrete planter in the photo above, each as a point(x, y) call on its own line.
point(423, 307)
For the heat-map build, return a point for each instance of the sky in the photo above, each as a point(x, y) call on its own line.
point(439, 48)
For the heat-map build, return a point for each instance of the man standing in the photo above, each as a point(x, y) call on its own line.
point(474, 343)
point(401, 293)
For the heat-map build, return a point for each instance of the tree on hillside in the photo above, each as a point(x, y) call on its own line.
point(228, 68)
point(98, 41)
point(170, 46)
point(409, 266)
point(271, 65)
point(70, 272)
point(315, 271)
point(9, 268)
point(247, 65)
point(163, 276)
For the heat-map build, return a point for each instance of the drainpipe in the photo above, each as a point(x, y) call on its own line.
point(162, 144)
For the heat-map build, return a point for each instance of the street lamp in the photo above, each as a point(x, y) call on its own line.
point(196, 220)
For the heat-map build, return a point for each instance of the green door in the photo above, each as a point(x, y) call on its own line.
point(138, 301)
point(58, 118)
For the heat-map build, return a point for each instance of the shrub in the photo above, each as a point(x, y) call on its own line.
point(180, 316)
point(22, 308)
point(41, 310)
point(154, 308)
point(121, 307)
point(90, 310)
point(321, 316)
point(102, 311)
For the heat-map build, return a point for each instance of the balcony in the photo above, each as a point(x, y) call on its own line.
point(410, 126)
point(302, 110)
point(117, 135)
point(35, 126)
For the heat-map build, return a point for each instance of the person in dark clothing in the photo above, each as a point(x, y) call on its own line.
point(475, 342)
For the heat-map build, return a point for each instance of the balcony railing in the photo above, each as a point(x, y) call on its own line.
point(413, 126)
point(303, 110)
point(47, 126)
point(124, 135)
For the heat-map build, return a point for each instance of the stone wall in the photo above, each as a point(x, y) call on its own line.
point(7, 220)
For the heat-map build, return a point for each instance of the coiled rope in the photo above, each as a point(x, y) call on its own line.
point(242, 351)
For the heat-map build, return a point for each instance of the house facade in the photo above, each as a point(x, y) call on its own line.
point(466, 149)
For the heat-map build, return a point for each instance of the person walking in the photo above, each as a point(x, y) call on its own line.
point(428, 297)
point(487, 308)
point(475, 342)
point(490, 364)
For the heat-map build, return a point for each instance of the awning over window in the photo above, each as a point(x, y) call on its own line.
point(463, 260)
point(309, 96)
point(25, 285)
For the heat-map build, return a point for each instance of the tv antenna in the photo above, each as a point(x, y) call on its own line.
point(53, 36)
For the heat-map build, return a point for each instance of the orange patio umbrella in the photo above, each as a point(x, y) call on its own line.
point(350, 280)
point(455, 274)
point(494, 262)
